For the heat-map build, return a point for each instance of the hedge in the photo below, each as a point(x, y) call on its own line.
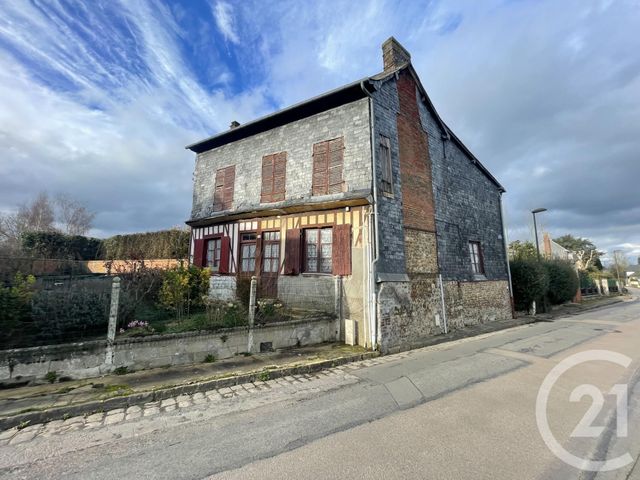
point(530, 282)
point(563, 281)
point(59, 245)
point(162, 244)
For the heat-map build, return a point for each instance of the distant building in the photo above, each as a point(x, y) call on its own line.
point(365, 184)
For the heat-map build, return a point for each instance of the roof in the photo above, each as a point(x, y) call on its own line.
point(326, 101)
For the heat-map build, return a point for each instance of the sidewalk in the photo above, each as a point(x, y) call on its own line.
point(43, 403)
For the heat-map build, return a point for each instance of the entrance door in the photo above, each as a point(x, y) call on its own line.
point(268, 280)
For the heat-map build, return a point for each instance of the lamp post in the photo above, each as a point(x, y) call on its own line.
point(535, 227)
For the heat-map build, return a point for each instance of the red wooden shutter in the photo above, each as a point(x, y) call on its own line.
point(292, 252)
point(225, 249)
point(336, 149)
point(267, 179)
point(279, 176)
point(320, 174)
point(341, 250)
point(198, 253)
point(229, 184)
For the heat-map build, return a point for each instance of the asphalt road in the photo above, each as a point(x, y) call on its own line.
point(466, 409)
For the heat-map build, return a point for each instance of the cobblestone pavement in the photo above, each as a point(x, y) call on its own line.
point(136, 420)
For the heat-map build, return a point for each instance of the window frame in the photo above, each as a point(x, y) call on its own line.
point(386, 180)
point(242, 242)
point(265, 243)
point(213, 239)
point(476, 257)
point(319, 244)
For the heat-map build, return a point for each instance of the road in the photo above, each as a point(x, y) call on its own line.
point(466, 409)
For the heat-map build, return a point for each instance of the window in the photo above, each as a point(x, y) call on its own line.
point(477, 263)
point(327, 167)
point(223, 194)
point(212, 254)
point(271, 255)
point(274, 168)
point(318, 250)
point(248, 252)
point(385, 163)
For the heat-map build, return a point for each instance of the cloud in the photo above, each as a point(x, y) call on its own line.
point(223, 14)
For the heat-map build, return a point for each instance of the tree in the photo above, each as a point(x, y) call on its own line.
point(73, 217)
point(619, 266)
point(522, 250)
point(37, 216)
point(588, 256)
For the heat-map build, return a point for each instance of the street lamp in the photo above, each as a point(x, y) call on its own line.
point(535, 227)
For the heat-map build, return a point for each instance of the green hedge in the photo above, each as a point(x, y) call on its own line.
point(59, 245)
point(563, 281)
point(530, 282)
point(163, 244)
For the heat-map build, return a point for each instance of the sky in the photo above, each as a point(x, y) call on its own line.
point(99, 98)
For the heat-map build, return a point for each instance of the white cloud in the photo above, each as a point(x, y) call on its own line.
point(223, 14)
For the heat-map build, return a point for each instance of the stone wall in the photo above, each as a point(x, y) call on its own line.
point(222, 287)
point(421, 251)
point(297, 139)
point(471, 303)
point(84, 360)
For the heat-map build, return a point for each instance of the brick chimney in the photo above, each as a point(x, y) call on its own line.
point(394, 55)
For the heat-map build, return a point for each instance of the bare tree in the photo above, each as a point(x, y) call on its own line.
point(74, 218)
point(37, 216)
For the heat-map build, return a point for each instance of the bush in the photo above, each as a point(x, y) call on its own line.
point(15, 305)
point(563, 281)
point(184, 288)
point(164, 244)
point(530, 282)
point(59, 245)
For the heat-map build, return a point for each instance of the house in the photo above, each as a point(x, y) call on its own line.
point(361, 196)
point(633, 274)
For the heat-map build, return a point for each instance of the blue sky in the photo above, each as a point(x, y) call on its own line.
point(99, 98)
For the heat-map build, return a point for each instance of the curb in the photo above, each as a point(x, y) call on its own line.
point(551, 316)
point(60, 413)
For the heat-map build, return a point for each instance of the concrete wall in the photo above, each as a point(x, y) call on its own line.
point(222, 287)
point(84, 360)
point(297, 139)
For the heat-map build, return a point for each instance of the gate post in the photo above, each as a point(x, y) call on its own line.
point(252, 312)
point(113, 319)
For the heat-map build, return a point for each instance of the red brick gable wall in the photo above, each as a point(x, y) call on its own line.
point(415, 164)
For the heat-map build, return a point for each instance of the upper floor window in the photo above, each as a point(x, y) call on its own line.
point(212, 254)
point(327, 167)
point(248, 252)
point(223, 194)
point(274, 169)
point(318, 251)
point(477, 262)
point(385, 163)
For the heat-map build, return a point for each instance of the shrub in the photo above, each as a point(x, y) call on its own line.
point(163, 244)
point(563, 281)
point(184, 288)
point(59, 245)
point(530, 282)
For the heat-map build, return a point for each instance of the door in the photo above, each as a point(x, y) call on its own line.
point(270, 265)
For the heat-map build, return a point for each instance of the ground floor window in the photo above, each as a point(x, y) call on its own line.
point(318, 250)
point(477, 263)
point(248, 252)
point(212, 255)
point(271, 255)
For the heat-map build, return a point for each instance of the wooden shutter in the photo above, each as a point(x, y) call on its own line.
point(385, 160)
point(225, 249)
point(341, 250)
point(274, 169)
point(320, 174)
point(292, 252)
point(198, 253)
point(336, 149)
point(223, 194)
point(279, 176)
point(259, 244)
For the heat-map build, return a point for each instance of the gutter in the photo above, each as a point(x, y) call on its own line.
point(373, 303)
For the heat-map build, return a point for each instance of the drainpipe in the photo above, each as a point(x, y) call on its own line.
point(373, 317)
point(506, 254)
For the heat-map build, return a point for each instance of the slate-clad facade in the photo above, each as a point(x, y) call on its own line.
point(368, 204)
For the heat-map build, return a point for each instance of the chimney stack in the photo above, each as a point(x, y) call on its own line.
point(234, 124)
point(394, 55)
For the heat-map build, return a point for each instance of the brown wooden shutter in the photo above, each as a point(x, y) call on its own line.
point(320, 174)
point(292, 252)
point(198, 253)
point(341, 250)
point(267, 179)
point(259, 244)
point(229, 184)
point(218, 195)
point(336, 150)
point(225, 250)
point(279, 176)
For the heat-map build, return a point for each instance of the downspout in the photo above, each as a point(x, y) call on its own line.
point(373, 320)
point(506, 254)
